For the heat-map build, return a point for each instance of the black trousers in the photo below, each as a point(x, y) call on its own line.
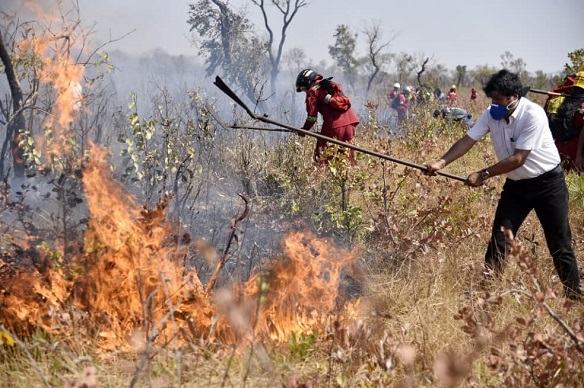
point(547, 194)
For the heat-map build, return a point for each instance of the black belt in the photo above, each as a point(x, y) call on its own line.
point(555, 171)
point(528, 182)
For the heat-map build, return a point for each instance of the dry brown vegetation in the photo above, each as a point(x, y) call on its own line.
point(383, 288)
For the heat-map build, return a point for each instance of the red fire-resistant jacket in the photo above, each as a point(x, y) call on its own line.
point(331, 118)
point(568, 149)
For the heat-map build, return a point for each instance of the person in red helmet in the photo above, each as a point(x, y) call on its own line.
point(336, 124)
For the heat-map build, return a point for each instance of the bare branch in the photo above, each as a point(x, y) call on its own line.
point(288, 12)
point(376, 47)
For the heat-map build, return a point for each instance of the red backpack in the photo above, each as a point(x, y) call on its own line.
point(335, 97)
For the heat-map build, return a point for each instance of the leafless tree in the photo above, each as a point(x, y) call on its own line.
point(377, 56)
point(288, 9)
point(422, 70)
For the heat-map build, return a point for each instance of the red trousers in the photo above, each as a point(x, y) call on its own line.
point(345, 133)
point(568, 150)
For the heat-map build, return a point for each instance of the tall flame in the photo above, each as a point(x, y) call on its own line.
point(132, 281)
point(64, 77)
point(133, 264)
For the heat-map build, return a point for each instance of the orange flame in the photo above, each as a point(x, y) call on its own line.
point(64, 77)
point(133, 267)
point(134, 260)
point(134, 288)
point(303, 286)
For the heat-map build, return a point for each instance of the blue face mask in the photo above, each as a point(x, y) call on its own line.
point(498, 112)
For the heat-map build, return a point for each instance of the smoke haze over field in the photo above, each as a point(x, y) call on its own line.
point(453, 32)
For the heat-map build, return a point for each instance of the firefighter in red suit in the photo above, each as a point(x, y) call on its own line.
point(564, 120)
point(473, 94)
point(451, 96)
point(403, 107)
point(393, 93)
point(336, 124)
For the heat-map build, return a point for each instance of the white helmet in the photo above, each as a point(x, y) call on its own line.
point(397, 85)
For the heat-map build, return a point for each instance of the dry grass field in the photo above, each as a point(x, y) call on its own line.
point(375, 280)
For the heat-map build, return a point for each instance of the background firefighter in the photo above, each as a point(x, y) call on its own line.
point(452, 96)
point(403, 105)
point(473, 95)
point(393, 93)
point(565, 112)
point(336, 124)
point(454, 114)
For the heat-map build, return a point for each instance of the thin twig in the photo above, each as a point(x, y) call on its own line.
point(556, 317)
point(232, 236)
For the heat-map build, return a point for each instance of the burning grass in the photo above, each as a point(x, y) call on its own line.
point(129, 289)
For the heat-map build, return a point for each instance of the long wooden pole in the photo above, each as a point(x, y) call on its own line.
point(224, 88)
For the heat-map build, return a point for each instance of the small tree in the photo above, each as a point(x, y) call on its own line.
point(577, 62)
point(541, 80)
point(228, 42)
point(460, 78)
point(437, 76)
point(482, 73)
point(516, 65)
point(45, 67)
point(343, 52)
point(405, 64)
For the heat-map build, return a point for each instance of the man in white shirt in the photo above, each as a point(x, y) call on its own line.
point(527, 154)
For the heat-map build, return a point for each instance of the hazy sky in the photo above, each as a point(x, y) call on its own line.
point(452, 32)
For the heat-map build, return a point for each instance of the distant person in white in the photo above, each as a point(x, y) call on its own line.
point(535, 181)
